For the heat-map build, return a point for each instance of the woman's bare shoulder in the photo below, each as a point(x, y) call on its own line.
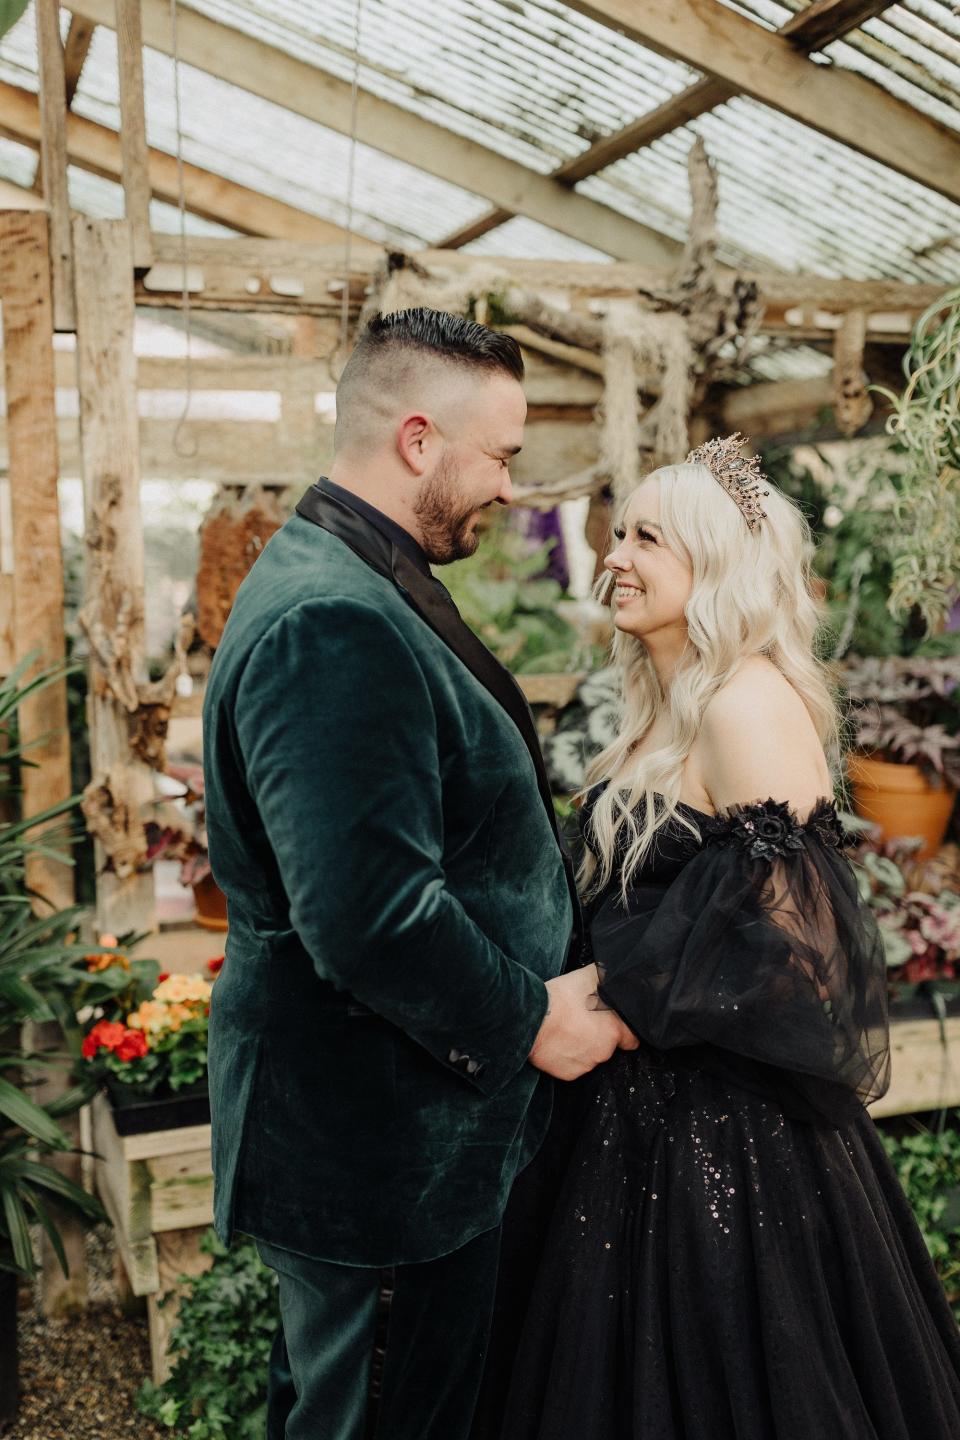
point(758, 741)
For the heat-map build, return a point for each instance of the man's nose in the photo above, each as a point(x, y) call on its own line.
point(504, 495)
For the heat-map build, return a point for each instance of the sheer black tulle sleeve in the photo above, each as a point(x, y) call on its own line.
point(761, 950)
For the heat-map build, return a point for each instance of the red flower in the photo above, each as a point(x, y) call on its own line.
point(216, 965)
point(106, 1034)
point(164, 975)
point(133, 1046)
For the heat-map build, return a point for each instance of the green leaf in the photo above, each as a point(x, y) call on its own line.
point(46, 1178)
point(43, 1218)
point(18, 1230)
point(21, 1111)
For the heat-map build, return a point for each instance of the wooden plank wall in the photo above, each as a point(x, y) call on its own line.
point(297, 445)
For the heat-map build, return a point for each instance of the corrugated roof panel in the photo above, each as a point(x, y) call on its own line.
point(536, 81)
point(527, 239)
point(539, 82)
point(801, 199)
point(911, 49)
point(232, 133)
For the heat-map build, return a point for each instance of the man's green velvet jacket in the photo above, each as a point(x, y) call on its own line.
point(397, 898)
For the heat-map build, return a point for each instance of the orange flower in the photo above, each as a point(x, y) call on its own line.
point(107, 955)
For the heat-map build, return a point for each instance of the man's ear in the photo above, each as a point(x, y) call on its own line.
point(417, 437)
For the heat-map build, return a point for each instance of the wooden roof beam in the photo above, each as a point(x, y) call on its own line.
point(96, 148)
point(305, 90)
point(767, 66)
point(818, 25)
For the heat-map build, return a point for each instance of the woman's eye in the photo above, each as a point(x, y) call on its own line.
point(645, 534)
point(619, 533)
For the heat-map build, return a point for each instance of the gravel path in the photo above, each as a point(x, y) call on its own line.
point(78, 1378)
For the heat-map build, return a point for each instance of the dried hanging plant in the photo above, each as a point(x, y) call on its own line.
point(926, 422)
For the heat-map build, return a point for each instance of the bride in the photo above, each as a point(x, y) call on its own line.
point(713, 1246)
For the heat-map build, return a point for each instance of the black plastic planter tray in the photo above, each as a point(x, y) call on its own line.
point(168, 1112)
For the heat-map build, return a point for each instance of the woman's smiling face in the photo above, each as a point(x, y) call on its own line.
point(651, 584)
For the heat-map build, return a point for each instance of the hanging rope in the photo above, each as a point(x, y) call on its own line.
point(187, 451)
point(351, 167)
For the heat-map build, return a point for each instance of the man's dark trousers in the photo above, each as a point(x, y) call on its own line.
point(380, 1354)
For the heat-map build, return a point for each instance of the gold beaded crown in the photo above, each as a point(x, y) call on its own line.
point(739, 474)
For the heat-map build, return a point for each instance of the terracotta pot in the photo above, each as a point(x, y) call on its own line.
point(211, 904)
point(901, 800)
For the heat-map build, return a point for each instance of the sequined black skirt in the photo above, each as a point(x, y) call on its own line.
point(684, 1262)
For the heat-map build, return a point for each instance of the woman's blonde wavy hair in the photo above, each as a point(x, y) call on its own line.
point(751, 595)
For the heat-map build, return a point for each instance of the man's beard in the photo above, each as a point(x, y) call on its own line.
point(445, 531)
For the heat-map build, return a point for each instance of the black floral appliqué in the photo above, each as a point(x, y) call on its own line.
point(770, 829)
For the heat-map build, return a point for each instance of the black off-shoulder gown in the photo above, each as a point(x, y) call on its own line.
point(712, 1244)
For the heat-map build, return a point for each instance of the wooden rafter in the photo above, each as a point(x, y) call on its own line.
point(75, 50)
point(96, 148)
point(768, 67)
point(19, 197)
point(133, 130)
point(811, 29)
point(53, 150)
point(284, 80)
point(823, 21)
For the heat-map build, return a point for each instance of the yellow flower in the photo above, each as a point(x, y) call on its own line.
point(183, 990)
point(150, 1016)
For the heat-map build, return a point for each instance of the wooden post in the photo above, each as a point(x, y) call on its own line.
point(133, 131)
point(75, 51)
point(113, 612)
point(53, 156)
point(35, 517)
point(852, 404)
point(37, 626)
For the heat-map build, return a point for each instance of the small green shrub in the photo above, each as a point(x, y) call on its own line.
point(221, 1349)
point(927, 1163)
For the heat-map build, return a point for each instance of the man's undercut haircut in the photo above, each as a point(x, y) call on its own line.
point(437, 333)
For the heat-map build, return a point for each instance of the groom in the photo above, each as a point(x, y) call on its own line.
point(400, 905)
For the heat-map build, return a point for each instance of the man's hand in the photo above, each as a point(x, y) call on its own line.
point(574, 1038)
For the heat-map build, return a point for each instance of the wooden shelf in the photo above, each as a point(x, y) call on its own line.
point(926, 1071)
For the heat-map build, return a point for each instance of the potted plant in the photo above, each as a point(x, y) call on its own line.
point(181, 834)
point(37, 953)
point(917, 907)
point(152, 1059)
point(905, 767)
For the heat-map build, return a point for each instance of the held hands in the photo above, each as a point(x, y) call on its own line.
point(573, 1037)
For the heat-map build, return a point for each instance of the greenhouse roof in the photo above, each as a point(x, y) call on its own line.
point(467, 107)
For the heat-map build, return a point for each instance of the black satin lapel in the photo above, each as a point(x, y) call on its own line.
point(357, 533)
